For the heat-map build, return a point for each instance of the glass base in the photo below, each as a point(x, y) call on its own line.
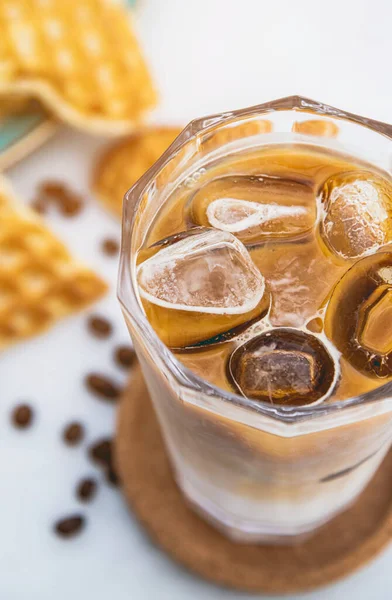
point(244, 531)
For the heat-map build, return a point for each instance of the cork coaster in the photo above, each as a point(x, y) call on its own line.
point(346, 543)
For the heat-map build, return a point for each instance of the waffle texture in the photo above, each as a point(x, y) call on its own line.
point(124, 162)
point(81, 59)
point(40, 281)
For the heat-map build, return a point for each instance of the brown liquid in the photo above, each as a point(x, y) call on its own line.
point(302, 257)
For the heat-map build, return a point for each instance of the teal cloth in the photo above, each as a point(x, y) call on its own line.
point(14, 128)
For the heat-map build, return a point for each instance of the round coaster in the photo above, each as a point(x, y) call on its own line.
point(343, 545)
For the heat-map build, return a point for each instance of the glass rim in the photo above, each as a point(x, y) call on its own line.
point(128, 295)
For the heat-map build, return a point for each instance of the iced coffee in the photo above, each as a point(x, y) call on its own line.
point(268, 276)
point(272, 277)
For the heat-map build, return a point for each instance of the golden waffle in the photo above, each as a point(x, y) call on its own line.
point(124, 162)
point(318, 127)
point(81, 59)
point(12, 105)
point(39, 280)
point(242, 129)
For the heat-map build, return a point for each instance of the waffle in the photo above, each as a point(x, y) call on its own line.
point(124, 162)
point(224, 135)
point(318, 127)
point(12, 105)
point(81, 59)
point(39, 280)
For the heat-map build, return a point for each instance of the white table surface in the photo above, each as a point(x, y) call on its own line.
point(207, 56)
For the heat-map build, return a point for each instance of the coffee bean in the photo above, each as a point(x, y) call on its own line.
point(22, 416)
point(125, 356)
point(56, 192)
point(39, 205)
point(70, 205)
point(51, 187)
point(111, 476)
point(102, 387)
point(70, 526)
point(101, 451)
point(99, 326)
point(73, 433)
point(110, 247)
point(86, 490)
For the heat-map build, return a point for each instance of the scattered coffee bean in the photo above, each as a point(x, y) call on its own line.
point(103, 387)
point(111, 476)
point(99, 326)
point(39, 205)
point(70, 526)
point(71, 205)
point(102, 453)
point(125, 356)
point(56, 192)
point(52, 187)
point(22, 416)
point(73, 433)
point(110, 246)
point(86, 490)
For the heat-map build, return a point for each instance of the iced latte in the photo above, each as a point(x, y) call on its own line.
point(266, 274)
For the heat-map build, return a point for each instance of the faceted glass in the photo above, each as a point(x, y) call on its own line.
point(258, 471)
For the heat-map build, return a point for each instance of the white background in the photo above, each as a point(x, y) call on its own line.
point(206, 56)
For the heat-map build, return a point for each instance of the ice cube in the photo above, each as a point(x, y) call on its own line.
point(356, 218)
point(359, 315)
point(230, 214)
point(202, 284)
point(299, 276)
point(255, 208)
point(210, 272)
point(284, 366)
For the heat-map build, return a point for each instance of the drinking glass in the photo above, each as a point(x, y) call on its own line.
point(258, 472)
